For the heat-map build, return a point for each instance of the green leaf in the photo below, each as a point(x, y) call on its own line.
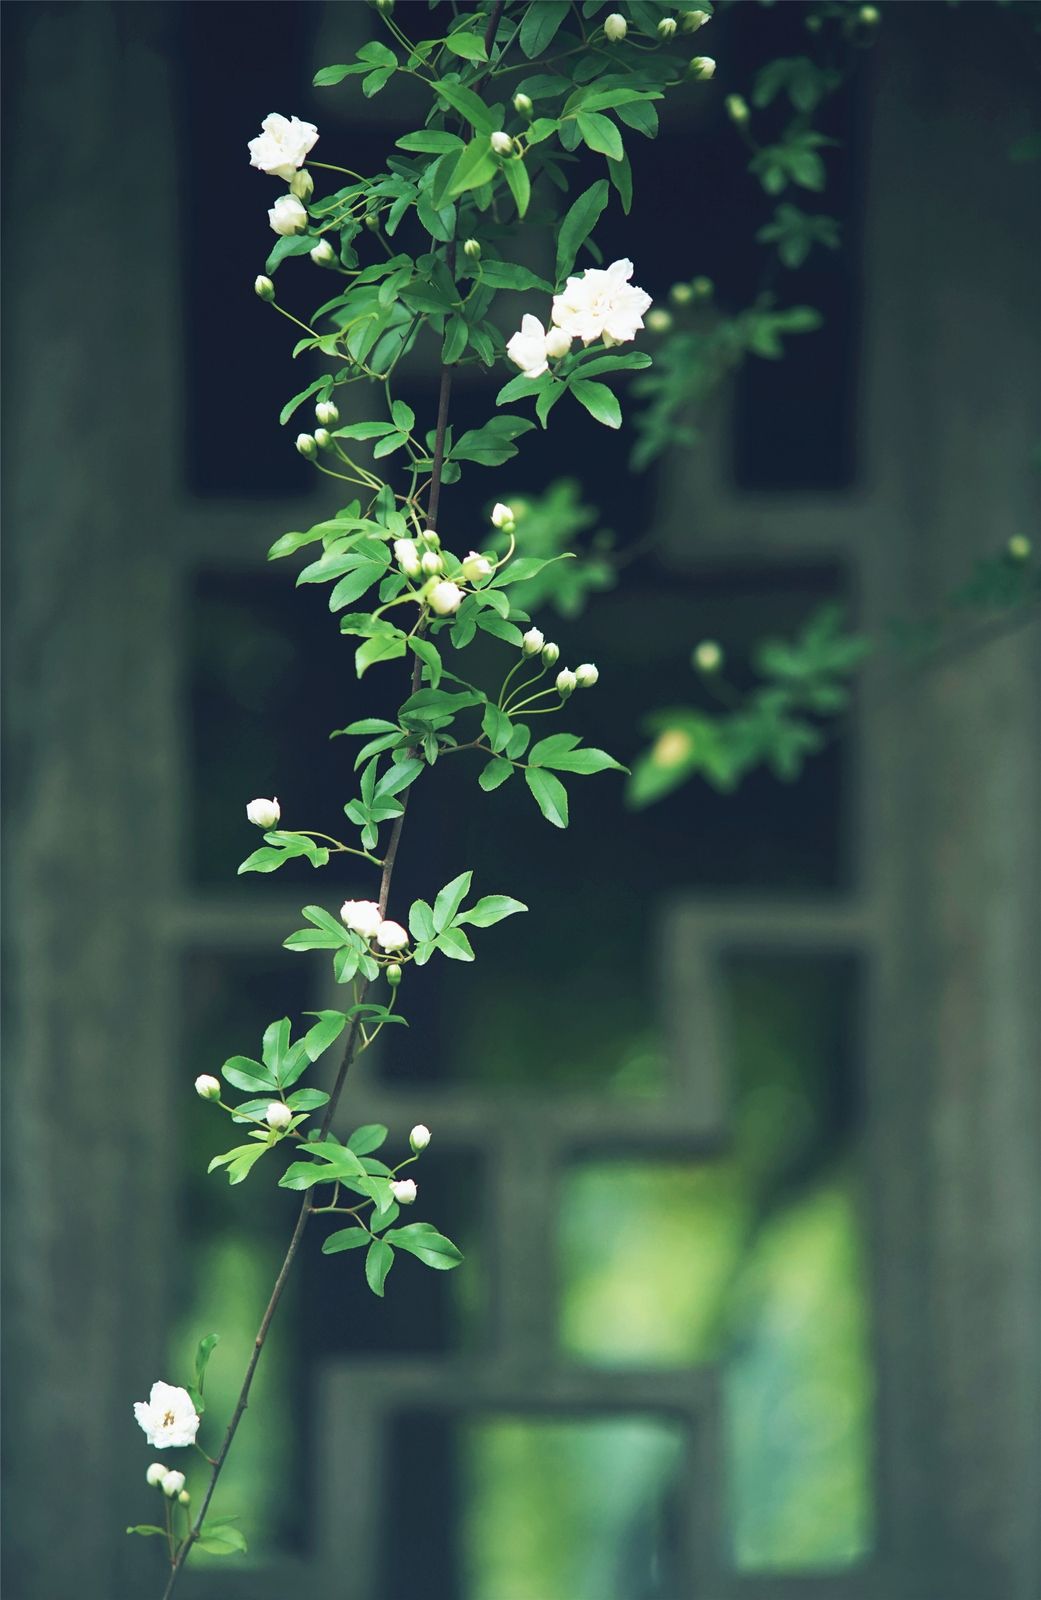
point(492, 909)
point(382, 648)
point(469, 106)
point(600, 134)
point(495, 774)
point(449, 899)
point(508, 275)
point(550, 794)
point(203, 1351)
point(421, 921)
point(540, 25)
point(247, 1075)
point(428, 654)
point(497, 727)
point(346, 1239)
point(584, 761)
point(516, 175)
point(363, 1141)
point(578, 224)
point(598, 400)
point(453, 943)
point(221, 1541)
point(430, 141)
point(468, 45)
point(427, 1245)
point(145, 1529)
point(378, 1263)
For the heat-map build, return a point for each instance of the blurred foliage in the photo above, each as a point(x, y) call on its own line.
point(557, 523)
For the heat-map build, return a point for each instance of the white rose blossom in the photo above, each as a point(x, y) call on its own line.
point(558, 343)
point(282, 148)
point(601, 304)
point(168, 1418)
point(404, 1191)
point(263, 813)
point(287, 216)
point(527, 348)
point(391, 936)
point(475, 566)
point(362, 916)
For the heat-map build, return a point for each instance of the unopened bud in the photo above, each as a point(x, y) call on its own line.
point(702, 288)
point(667, 27)
point(323, 438)
point(558, 343)
point(302, 184)
point(327, 413)
point(472, 250)
point(869, 16)
point(371, 221)
point(586, 675)
point(445, 597)
point(737, 109)
point(183, 1498)
point(386, 6)
point(278, 1115)
point(172, 1484)
point(533, 641)
point(659, 320)
point(431, 538)
point(404, 1191)
point(207, 1088)
point(393, 974)
point(615, 27)
point(306, 446)
point(551, 654)
point(155, 1474)
point(501, 143)
point(503, 517)
point(476, 567)
point(681, 294)
point(522, 105)
point(703, 67)
point(566, 682)
point(1019, 547)
point(323, 254)
point(419, 1138)
point(693, 20)
point(708, 657)
point(391, 936)
point(407, 557)
point(264, 288)
point(263, 813)
point(431, 563)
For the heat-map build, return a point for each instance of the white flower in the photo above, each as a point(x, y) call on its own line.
point(278, 1116)
point(283, 146)
point(601, 304)
point(168, 1418)
point(532, 641)
point(156, 1473)
point(323, 254)
point(404, 1191)
point(445, 597)
point(419, 1138)
point(361, 916)
point(502, 516)
point(391, 936)
point(287, 215)
point(558, 343)
point(327, 412)
point(703, 67)
point(501, 143)
point(430, 563)
point(263, 813)
point(173, 1483)
point(693, 20)
point(307, 446)
point(615, 27)
point(586, 675)
point(407, 557)
point(476, 566)
point(207, 1088)
point(566, 681)
point(527, 348)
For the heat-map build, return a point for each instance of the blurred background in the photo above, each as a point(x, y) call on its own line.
point(749, 1193)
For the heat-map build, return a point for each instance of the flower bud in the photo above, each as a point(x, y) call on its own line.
point(693, 20)
point(558, 343)
point(501, 143)
point(708, 657)
point(522, 105)
point(431, 563)
point(702, 288)
point(869, 16)
point(391, 936)
point(263, 813)
point(306, 446)
point(404, 1191)
point(323, 254)
point(659, 320)
point(386, 6)
point(172, 1483)
point(371, 221)
point(302, 184)
point(407, 557)
point(472, 250)
point(183, 1498)
point(703, 67)
point(393, 974)
point(155, 1474)
point(1019, 547)
point(476, 567)
point(264, 288)
point(586, 675)
point(207, 1088)
point(615, 27)
point(278, 1116)
point(327, 413)
point(287, 216)
point(362, 917)
point(502, 517)
point(419, 1138)
point(566, 682)
point(533, 641)
point(551, 654)
point(444, 598)
point(667, 27)
point(431, 538)
point(737, 109)
point(323, 438)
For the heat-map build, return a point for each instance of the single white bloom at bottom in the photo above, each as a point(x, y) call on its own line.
point(168, 1417)
point(404, 1191)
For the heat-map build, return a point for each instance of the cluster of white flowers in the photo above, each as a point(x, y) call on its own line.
point(364, 917)
point(600, 303)
point(281, 148)
point(159, 1476)
point(421, 559)
point(168, 1417)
